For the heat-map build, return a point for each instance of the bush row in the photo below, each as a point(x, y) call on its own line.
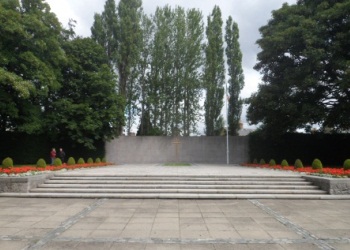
point(41, 163)
point(316, 164)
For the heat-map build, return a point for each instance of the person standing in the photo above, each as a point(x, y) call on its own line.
point(53, 155)
point(62, 155)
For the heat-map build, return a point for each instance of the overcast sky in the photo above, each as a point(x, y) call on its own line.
point(250, 15)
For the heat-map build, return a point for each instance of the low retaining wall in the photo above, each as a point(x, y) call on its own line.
point(163, 149)
point(335, 186)
point(22, 184)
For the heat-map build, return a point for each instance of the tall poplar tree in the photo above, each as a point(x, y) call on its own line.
point(214, 75)
point(118, 30)
point(161, 75)
point(128, 53)
point(192, 89)
point(104, 30)
point(235, 71)
point(175, 88)
point(143, 67)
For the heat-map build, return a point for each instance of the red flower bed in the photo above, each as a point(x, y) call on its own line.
point(25, 169)
point(326, 170)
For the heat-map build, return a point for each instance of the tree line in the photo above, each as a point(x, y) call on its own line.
point(168, 63)
point(157, 67)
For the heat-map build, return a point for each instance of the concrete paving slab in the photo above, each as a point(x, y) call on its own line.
point(33, 223)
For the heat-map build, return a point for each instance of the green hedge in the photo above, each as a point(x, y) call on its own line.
point(27, 149)
point(332, 149)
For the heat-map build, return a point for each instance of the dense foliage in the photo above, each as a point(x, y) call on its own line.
point(304, 62)
point(214, 74)
point(51, 82)
point(156, 69)
point(235, 71)
point(170, 67)
point(332, 149)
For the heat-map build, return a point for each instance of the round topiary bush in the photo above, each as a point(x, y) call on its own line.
point(7, 163)
point(90, 160)
point(41, 163)
point(104, 160)
point(98, 160)
point(346, 164)
point(71, 161)
point(284, 163)
point(272, 163)
point(255, 161)
point(262, 162)
point(298, 164)
point(317, 164)
point(81, 161)
point(57, 162)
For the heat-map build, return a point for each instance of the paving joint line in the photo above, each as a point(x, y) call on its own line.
point(196, 241)
point(51, 235)
point(177, 240)
point(320, 243)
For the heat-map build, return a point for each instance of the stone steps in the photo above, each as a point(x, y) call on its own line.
point(176, 187)
point(171, 186)
point(177, 196)
point(176, 191)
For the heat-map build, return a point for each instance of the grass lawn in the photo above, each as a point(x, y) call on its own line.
point(177, 164)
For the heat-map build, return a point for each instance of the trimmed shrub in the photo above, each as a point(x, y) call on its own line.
point(104, 160)
point(7, 163)
point(298, 164)
point(98, 160)
point(272, 163)
point(262, 162)
point(81, 161)
point(90, 160)
point(316, 164)
point(71, 161)
point(57, 162)
point(41, 163)
point(284, 163)
point(346, 164)
point(255, 161)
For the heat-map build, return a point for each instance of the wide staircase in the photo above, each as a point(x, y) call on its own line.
point(176, 187)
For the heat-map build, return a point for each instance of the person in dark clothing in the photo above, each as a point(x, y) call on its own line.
point(62, 155)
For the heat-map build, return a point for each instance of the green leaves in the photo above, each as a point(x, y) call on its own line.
point(214, 73)
point(50, 84)
point(87, 106)
point(235, 71)
point(303, 67)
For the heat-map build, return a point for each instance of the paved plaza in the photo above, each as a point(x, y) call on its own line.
point(34, 223)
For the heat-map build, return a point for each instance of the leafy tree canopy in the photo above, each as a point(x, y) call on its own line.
point(30, 57)
point(305, 67)
point(50, 83)
point(87, 107)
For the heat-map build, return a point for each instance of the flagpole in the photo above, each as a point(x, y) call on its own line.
point(227, 144)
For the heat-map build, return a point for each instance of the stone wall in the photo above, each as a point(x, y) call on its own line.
point(158, 149)
point(335, 186)
point(22, 184)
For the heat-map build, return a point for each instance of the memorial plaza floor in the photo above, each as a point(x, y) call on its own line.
point(43, 223)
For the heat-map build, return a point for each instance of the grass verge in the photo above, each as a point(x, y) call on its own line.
point(177, 164)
